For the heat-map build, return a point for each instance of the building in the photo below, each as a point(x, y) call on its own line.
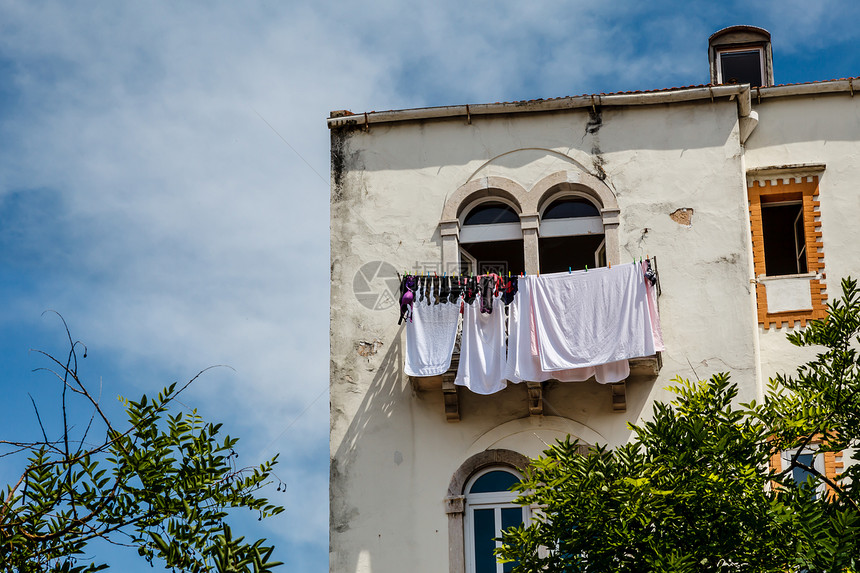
point(743, 193)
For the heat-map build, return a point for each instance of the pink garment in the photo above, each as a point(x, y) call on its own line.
point(656, 330)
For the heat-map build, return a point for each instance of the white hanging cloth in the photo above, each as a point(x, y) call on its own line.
point(430, 337)
point(482, 349)
point(524, 365)
point(590, 318)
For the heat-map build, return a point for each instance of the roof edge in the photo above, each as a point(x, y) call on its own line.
point(345, 119)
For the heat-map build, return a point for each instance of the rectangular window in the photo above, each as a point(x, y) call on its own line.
point(787, 248)
point(784, 238)
point(745, 66)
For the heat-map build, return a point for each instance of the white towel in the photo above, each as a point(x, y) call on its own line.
point(591, 318)
point(523, 365)
point(482, 349)
point(430, 337)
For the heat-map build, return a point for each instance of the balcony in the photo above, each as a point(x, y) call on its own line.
point(641, 369)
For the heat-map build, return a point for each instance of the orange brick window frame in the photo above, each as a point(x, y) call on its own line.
point(765, 189)
point(833, 464)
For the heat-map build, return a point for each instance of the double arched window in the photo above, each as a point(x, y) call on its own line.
point(571, 236)
point(568, 220)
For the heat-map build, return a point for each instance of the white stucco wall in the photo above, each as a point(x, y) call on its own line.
point(393, 453)
point(814, 130)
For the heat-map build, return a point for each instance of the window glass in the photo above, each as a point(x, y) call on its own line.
point(491, 213)
point(784, 239)
point(798, 474)
point(485, 533)
point(570, 207)
point(742, 67)
point(511, 517)
point(496, 480)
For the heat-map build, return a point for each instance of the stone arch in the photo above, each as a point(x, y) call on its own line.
point(528, 203)
point(455, 501)
point(574, 181)
point(480, 188)
point(482, 460)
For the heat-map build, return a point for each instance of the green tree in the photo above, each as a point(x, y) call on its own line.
point(694, 489)
point(162, 483)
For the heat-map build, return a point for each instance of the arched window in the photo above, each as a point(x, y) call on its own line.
point(571, 235)
point(490, 508)
point(491, 239)
point(568, 219)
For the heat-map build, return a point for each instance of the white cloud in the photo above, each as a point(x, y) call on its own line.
point(174, 230)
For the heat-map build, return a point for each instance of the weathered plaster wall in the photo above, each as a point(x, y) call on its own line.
point(810, 130)
point(393, 454)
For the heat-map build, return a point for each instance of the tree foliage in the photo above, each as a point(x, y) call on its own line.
point(694, 489)
point(162, 484)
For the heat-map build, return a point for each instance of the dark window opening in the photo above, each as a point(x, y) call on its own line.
point(571, 207)
point(784, 239)
point(500, 257)
point(741, 67)
point(490, 213)
point(800, 475)
point(559, 254)
point(496, 480)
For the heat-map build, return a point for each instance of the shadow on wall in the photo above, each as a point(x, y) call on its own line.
point(384, 392)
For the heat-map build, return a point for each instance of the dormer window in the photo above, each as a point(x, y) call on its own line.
point(741, 66)
point(741, 55)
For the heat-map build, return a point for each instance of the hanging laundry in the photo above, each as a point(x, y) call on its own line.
point(523, 365)
point(470, 291)
point(651, 287)
point(509, 290)
point(445, 290)
point(482, 348)
point(456, 289)
point(591, 318)
point(430, 338)
point(407, 297)
point(487, 287)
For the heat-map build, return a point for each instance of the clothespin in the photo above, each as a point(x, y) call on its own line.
point(568, 270)
point(586, 268)
point(509, 274)
point(610, 264)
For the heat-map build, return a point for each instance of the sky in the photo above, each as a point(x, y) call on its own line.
point(164, 184)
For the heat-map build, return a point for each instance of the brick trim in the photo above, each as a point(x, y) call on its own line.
point(833, 464)
point(805, 187)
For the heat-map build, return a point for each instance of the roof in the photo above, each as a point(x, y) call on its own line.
point(346, 118)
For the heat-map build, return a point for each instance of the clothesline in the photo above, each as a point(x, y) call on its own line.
point(564, 326)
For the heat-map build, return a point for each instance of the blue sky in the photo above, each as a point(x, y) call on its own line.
point(144, 197)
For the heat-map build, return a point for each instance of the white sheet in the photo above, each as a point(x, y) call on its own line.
point(591, 318)
point(523, 365)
